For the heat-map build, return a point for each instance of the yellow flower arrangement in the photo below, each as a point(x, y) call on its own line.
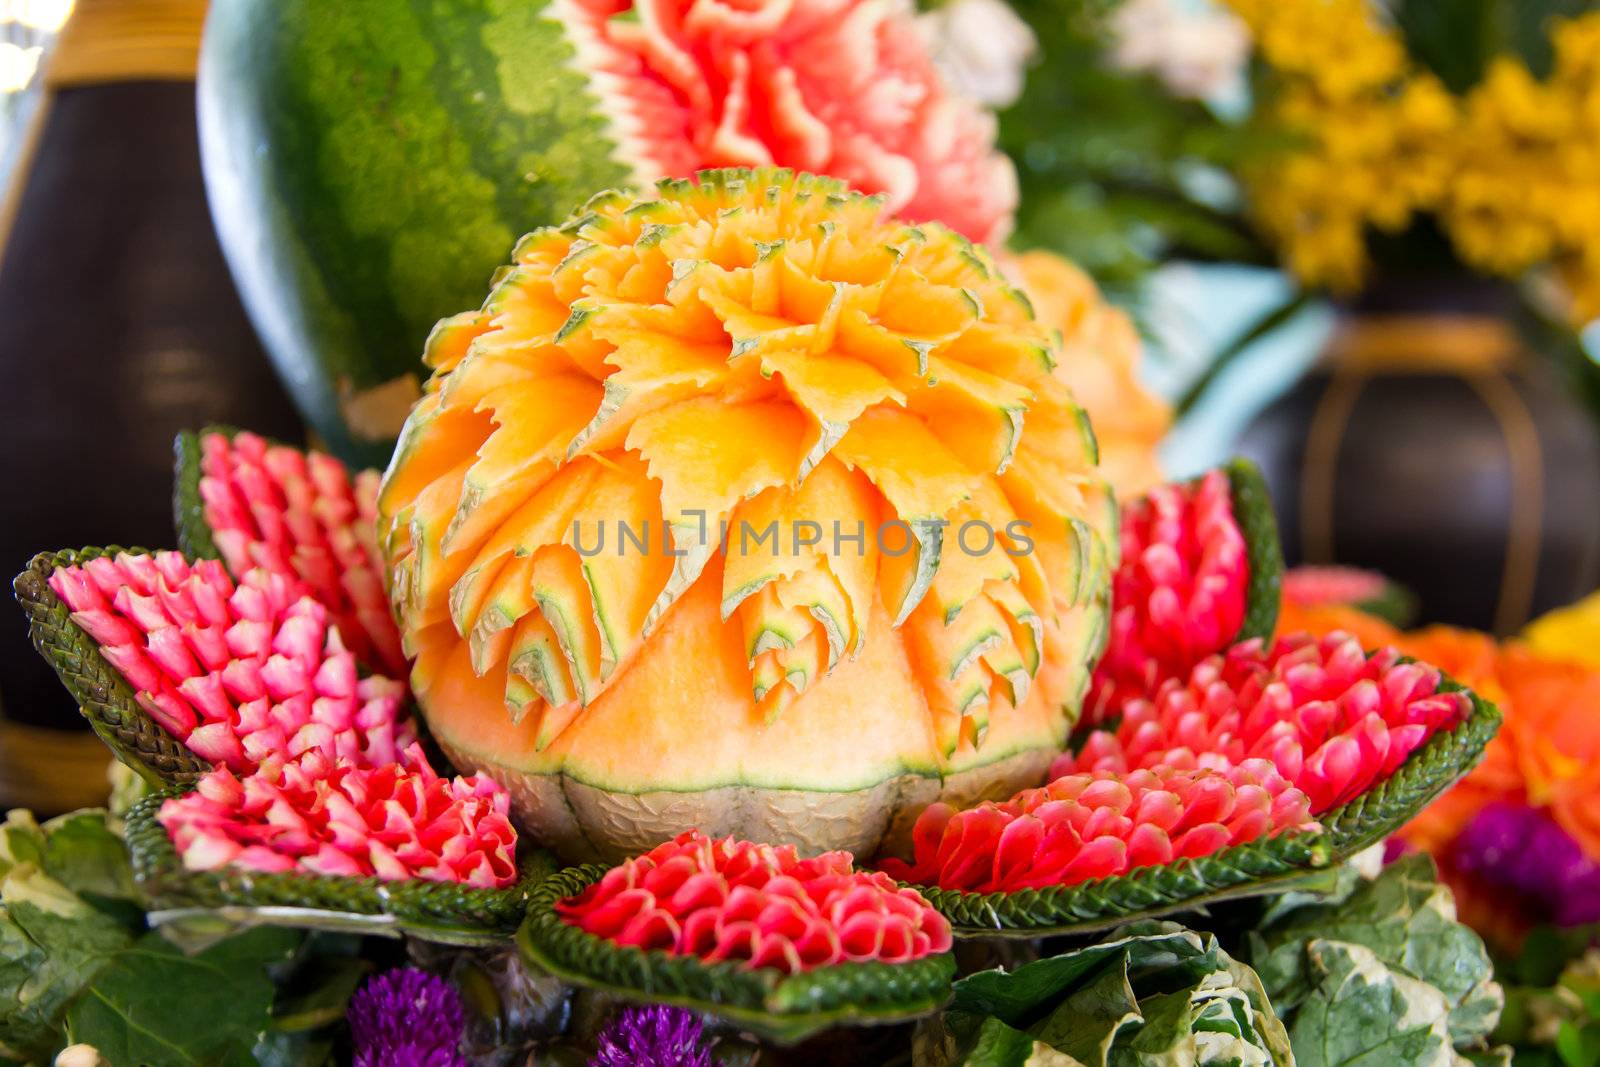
point(1511, 169)
point(1526, 189)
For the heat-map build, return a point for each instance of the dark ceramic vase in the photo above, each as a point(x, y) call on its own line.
point(1433, 446)
point(119, 326)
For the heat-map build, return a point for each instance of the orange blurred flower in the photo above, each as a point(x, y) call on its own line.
point(1323, 619)
point(1554, 711)
point(1100, 361)
point(1474, 660)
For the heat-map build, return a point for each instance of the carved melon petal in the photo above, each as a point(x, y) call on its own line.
point(907, 462)
point(542, 520)
point(709, 455)
point(618, 533)
point(450, 338)
point(974, 556)
point(437, 441)
point(563, 597)
point(509, 598)
point(534, 422)
point(914, 305)
point(978, 416)
point(901, 356)
point(830, 517)
point(922, 481)
point(535, 655)
point(653, 369)
point(832, 389)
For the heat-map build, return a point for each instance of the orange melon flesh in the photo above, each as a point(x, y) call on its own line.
point(763, 350)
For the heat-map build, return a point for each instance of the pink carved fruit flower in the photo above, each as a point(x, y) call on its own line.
point(1100, 824)
point(1316, 586)
point(837, 87)
point(300, 515)
point(757, 905)
point(239, 673)
point(1331, 719)
point(1179, 594)
point(395, 821)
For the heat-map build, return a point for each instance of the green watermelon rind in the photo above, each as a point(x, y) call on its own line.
point(783, 1008)
point(443, 912)
point(1254, 869)
point(104, 698)
point(195, 538)
point(370, 164)
point(1252, 510)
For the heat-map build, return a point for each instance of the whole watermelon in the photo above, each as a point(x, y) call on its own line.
point(370, 163)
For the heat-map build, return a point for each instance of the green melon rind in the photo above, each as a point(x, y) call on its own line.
point(103, 696)
point(371, 164)
point(1255, 869)
point(195, 538)
point(1252, 510)
point(444, 912)
point(783, 1008)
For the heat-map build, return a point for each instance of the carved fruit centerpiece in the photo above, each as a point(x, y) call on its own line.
point(741, 508)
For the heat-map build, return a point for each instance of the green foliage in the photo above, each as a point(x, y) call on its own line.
point(1153, 994)
point(1115, 172)
point(66, 909)
point(153, 1005)
point(1381, 972)
point(1552, 1012)
point(1363, 1011)
point(314, 990)
point(77, 965)
point(1456, 39)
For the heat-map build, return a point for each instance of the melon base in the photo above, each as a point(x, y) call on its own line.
point(586, 824)
point(676, 742)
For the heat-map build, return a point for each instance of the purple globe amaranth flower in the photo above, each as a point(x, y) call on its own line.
point(1395, 847)
point(653, 1036)
point(407, 1018)
point(1525, 850)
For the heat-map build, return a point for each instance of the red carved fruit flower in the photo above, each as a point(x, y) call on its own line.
point(399, 820)
point(1333, 720)
point(1178, 595)
point(1084, 826)
point(238, 673)
point(300, 515)
point(837, 87)
point(758, 905)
